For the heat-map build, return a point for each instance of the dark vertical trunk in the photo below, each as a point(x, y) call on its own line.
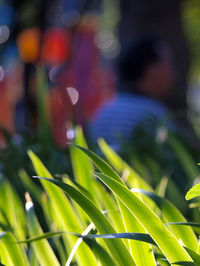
point(161, 17)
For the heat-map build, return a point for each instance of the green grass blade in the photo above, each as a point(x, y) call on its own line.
point(182, 223)
point(100, 163)
point(81, 165)
point(30, 186)
point(171, 214)
point(40, 237)
point(161, 187)
point(195, 226)
point(12, 209)
point(116, 246)
point(77, 244)
point(133, 236)
point(119, 164)
point(43, 250)
point(100, 253)
point(110, 207)
point(193, 192)
point(195, 256)
point(63, 209)
point(10, 252)
point(137, 248)
point(130, 222)
point(169, 245)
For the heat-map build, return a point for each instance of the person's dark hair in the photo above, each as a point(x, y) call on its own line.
point(135, 59)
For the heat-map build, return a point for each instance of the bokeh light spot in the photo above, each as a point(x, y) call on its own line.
point(2, 73)
point(161, 135)
point(107, 43)
point(53, 73)
point(73, 94)
point(4, 33)
point(70, 134)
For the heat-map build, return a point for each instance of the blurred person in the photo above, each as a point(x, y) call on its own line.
point(145, 72)
point(82, 84)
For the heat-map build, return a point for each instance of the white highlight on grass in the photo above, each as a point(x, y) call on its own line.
point(73, 95)
point(181, 242)
point(29, 205)
point(77, 244)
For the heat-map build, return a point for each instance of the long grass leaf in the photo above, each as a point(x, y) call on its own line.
point(193, 192)
point(66, 218)
point(82, 166)
point(130, 222)
point(43, 250)
point(100, 252)
point(119, 164)
point(169, 245)
point(171, 214)
point(116, 246)
point(10, 252)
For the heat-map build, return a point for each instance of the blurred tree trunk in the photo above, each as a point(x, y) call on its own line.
point(161, 17)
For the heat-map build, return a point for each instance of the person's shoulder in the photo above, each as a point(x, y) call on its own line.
point(154, 104)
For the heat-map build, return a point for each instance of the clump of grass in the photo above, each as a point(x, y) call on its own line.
point(106, 213)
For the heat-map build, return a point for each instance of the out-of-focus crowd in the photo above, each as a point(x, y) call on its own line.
point(58, 64)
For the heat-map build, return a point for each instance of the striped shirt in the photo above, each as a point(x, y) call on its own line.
point(116, 120)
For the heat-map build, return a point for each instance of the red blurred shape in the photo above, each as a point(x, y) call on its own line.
point(55, 48)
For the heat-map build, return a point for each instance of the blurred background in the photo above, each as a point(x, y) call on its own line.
point(57, 59)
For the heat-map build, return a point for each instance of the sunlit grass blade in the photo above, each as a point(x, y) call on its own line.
point(124, 221)
point(10, 252)
point(132, 178)
point(169, 213)
point(119, 164)
point(82, 215)
point(77, 244)
point(100, 253)
point(169, 245)
point(100, 163)
point(61, 248)
point(187, 223)
point(193, 192)
point(195, 256)
point(30, 186)
point(137, 248)
point(134, 236)
point(12, 209)
point(82, 166)
point(195, 226)
point(110, 207)
point(116, 246)
point(42, 248)
point(64, 215)
point(161, 187)
point(40, 237)
point(130, 222)
point(32, 257)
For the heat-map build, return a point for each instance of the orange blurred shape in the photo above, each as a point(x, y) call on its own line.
point(55, 48)
point(29, 44)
